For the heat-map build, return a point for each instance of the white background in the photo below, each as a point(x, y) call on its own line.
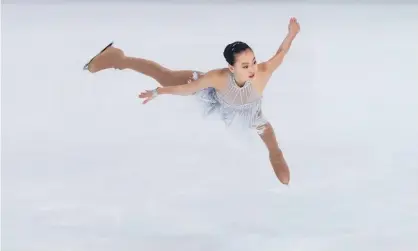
point(86, 166)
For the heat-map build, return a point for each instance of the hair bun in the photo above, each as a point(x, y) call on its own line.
point(232, 49)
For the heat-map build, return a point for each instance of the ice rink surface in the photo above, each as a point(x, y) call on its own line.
point(87, 167)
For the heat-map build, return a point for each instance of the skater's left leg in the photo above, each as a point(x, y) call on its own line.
point(114, 58)
point(275, 153)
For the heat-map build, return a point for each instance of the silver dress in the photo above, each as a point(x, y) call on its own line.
point(234, 104)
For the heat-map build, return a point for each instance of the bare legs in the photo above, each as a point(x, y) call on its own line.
point(112, 57)
point(276, 156)
point(164, 76)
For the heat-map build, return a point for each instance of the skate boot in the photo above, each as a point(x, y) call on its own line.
point(109, 57)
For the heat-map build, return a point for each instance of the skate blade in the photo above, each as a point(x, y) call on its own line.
point(86, 66)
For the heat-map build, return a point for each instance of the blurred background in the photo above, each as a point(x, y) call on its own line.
point(86, 166)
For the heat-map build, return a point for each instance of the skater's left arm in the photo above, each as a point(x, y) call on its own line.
point(274, 62)
point(210, 79)
point(205, 81)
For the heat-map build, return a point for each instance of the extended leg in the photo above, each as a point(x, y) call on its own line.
point(112, 57)
point(276, 156)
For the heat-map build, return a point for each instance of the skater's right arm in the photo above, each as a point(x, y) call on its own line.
point(210, 79)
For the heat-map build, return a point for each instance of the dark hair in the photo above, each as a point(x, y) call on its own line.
point(232, 49)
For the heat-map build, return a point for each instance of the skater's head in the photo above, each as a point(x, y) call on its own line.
point(241, 60)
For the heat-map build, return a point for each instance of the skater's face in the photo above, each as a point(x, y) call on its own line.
point(245, 67)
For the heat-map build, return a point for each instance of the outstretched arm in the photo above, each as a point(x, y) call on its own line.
point(210, 79)
point(205, 81)
point(274, 62)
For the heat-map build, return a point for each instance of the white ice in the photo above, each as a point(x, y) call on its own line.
point(87, 167)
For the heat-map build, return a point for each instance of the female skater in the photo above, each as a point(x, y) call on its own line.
point(234, 92)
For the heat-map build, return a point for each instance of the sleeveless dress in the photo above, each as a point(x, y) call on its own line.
point(234, 104)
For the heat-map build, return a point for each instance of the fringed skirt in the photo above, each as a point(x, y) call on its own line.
point(248, 116)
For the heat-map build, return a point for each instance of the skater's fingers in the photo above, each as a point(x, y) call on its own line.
point(145, 94)
point(146, 100)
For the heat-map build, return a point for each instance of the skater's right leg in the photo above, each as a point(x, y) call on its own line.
point(277, 160)
point(112, 57)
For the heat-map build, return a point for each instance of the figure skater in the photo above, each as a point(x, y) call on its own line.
point(234, 92)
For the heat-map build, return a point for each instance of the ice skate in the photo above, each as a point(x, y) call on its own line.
point(109, 57)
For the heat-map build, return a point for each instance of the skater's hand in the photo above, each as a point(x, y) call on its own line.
point(148, 95)
point(191, 79)
point(294, 26)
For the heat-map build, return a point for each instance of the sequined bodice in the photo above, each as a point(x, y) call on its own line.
point(235, 103)
point(234, 95)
